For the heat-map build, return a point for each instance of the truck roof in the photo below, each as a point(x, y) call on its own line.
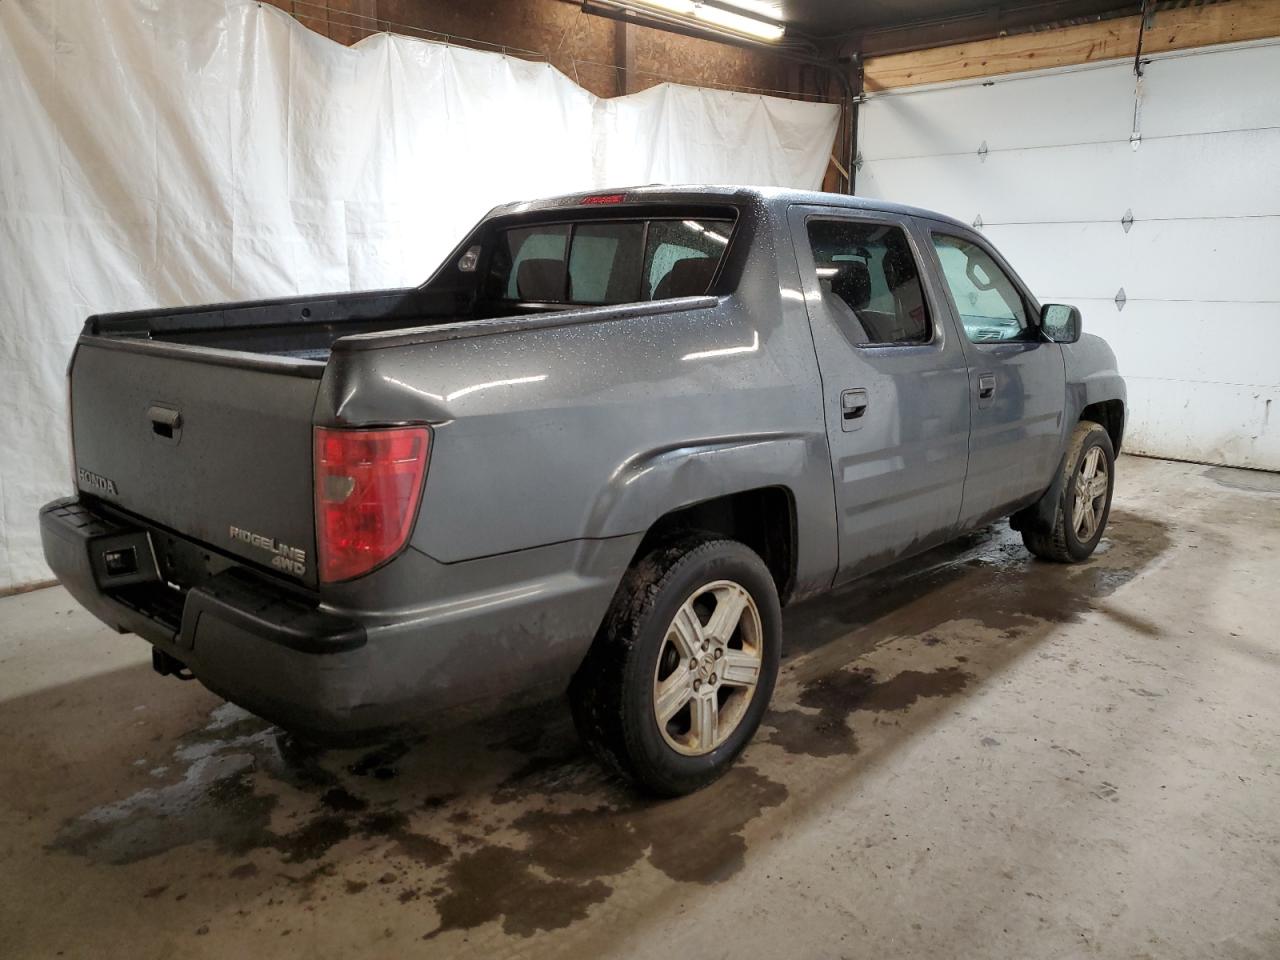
point(712, 193)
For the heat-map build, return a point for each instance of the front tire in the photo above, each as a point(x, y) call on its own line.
point(680, 675)
point(1082, 500)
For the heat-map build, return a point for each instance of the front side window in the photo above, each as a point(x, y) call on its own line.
point(606, 261)
point(990, 307)
point(867, 273)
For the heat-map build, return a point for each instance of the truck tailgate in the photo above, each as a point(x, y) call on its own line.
point(214, 449)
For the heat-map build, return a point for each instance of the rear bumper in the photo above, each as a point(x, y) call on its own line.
point(247, 640)
point(507, 627)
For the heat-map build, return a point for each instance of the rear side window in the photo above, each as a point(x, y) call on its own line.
point(868, 274)
point(606, 261)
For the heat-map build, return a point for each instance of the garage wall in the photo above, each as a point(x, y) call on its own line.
point(1052, 162)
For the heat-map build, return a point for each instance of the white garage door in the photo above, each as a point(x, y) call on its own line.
point(1054, 163)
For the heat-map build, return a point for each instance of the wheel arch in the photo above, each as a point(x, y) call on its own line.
point(770, 491)
point(1111, 415)
point(762, 518)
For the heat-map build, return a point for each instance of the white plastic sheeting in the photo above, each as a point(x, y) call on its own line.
point(160, 152)
point(1192, 152)
point(675, 134)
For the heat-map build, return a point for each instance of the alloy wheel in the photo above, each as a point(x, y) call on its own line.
point(708, 668)
point(1091, 495)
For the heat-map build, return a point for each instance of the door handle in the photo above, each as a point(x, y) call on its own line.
point(986, 386)
point(853, 404)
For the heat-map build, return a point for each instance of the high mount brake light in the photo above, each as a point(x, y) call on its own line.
point(602, 198)
point(368, 485)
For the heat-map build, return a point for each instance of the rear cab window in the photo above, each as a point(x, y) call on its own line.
point(596, 262)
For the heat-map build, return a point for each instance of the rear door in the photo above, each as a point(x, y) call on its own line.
point(894, 380)
point(212, 445)
point(1018, 378)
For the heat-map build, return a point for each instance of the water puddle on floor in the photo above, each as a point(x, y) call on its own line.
point(507, 821)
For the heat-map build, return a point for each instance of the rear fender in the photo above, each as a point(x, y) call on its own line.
point(650, 485)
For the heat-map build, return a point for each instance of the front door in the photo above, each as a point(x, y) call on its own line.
point(894, 381)
point(1017, 376)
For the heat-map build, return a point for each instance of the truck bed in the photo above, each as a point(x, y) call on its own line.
point(300, 328)
point(305, 328)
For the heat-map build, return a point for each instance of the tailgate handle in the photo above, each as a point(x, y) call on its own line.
point(166, 422)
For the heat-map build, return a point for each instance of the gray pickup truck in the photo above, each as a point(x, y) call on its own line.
point(597, 450)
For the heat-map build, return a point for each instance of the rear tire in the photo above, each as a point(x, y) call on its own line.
point(683, 667)
point(1082, 500)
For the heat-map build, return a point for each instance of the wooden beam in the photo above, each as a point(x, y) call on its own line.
point(1229, 22)
point(987, 22)
point(1108, 40)
point(1177, 29)
point(624, 57)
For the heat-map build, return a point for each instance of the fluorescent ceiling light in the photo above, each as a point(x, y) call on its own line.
point(725, 19)
point(738, 23)
point(762, 9)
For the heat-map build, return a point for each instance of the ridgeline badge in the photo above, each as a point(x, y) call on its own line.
point(284, 557)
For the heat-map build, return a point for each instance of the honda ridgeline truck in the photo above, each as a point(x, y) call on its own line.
point(597, 450)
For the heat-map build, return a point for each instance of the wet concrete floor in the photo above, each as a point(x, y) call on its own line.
point(974, 754)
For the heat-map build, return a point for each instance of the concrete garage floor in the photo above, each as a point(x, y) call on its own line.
point(992, 757)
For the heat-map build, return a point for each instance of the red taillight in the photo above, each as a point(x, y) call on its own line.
point(368, 484)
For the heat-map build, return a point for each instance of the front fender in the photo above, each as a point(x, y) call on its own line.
point(1092, 377)
point(1092, 370)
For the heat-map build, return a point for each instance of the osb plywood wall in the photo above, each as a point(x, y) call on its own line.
point(584, 47)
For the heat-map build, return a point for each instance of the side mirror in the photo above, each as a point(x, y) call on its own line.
point(1060, 322)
